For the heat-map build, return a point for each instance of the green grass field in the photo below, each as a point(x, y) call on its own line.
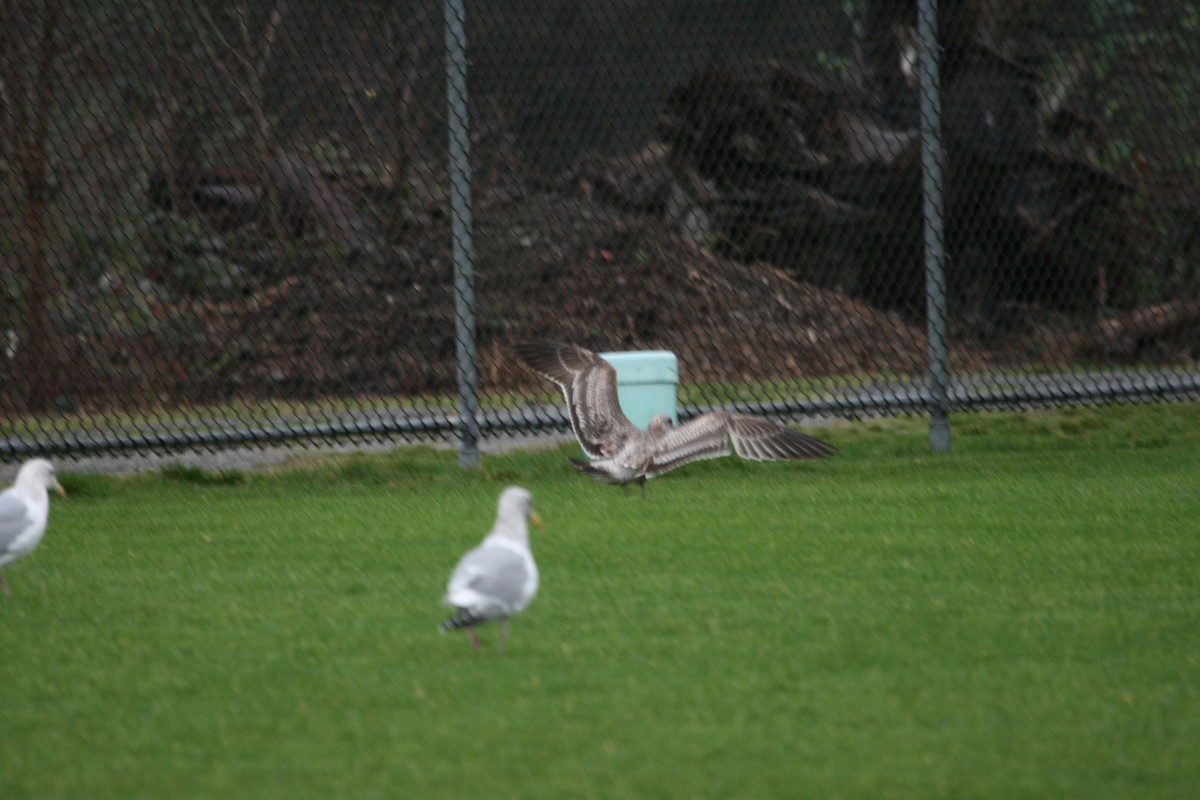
point(1019, 618)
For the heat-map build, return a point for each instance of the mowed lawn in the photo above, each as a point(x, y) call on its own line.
point(1018, 618)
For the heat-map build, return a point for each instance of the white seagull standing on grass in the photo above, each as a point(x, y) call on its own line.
point(623, 453)
point(24, 511)
point(499, 577)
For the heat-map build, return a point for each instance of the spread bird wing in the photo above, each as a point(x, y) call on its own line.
point(589, 384)
point(719, 433)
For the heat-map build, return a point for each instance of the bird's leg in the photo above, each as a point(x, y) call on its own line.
point(4, 585)
point(474, 638)
point(642, 486)
point(502, 634)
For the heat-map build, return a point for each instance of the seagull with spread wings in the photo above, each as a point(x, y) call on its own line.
point(622, 453)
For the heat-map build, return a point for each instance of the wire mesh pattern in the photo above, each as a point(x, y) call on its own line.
point(248, 222)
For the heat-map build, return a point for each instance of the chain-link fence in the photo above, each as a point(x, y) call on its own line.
point(241, 222)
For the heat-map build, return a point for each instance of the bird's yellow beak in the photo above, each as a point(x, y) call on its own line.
point(534, 519)
point(57, 487)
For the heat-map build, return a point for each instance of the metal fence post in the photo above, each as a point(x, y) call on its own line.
point(934, 231)
point(461, 227)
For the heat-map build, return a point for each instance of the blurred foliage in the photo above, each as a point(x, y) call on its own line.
point(139, 86)
point(1144, 60)
point(146, 86)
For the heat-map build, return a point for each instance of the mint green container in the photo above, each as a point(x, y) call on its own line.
point(646, 383)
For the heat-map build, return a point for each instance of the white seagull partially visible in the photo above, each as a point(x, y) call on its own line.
point(499, 577)
point(622, 453)
point(24, 511)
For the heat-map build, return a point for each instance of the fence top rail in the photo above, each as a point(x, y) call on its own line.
point(980, 392)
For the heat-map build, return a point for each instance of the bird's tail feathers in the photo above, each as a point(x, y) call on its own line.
point(463, 619)
point(589, 468)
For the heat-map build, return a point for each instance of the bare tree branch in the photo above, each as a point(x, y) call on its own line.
point(268, 39)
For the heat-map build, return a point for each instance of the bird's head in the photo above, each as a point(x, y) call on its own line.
point(517, 503)
point(659, 423)
point(40, 472)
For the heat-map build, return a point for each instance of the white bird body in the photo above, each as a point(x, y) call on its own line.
point(635, 456)
point(25, 511)
point(622, 453)
point(496, 579)
point(499, 577)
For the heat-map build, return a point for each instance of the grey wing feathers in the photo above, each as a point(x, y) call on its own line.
point(494, 572)
point(760, 439)
point(719, 433)
point(589, 384)
point(698, 439)
point(14, 519)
